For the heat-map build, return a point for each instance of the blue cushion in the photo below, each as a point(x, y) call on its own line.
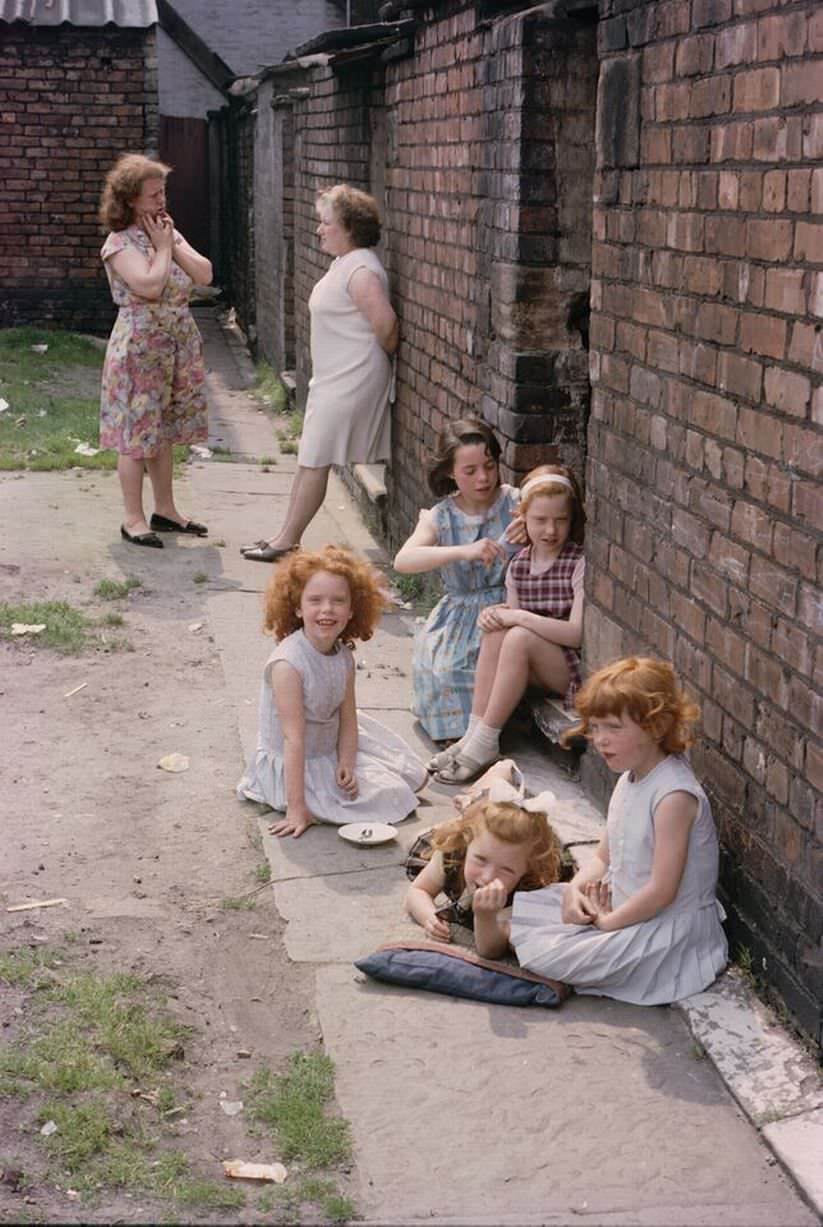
point(438, 972)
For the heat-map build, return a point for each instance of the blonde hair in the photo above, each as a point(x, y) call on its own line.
point(646, 690)
point(512, 824)
point(569, 486)
point(356, 211)
point(122, 187)
point(281, 601)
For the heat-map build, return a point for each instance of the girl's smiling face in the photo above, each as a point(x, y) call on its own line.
point(548, 523)
point(325, 609)
point(488, 857)
point(475, 474)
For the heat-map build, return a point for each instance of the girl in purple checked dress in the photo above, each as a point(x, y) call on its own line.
point(534, 638)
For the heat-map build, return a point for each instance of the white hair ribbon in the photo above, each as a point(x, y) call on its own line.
point(501, 791)
point(546, 479)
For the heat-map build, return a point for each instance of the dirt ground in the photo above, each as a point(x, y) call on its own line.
point(144, 858)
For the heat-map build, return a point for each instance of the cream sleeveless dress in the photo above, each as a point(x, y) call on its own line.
point(387, 770)
point(672, 955)
point(347, 411)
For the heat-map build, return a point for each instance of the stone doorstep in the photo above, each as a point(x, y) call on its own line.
point(371, 478)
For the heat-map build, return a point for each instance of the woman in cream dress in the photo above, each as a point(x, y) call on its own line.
point(354, 332)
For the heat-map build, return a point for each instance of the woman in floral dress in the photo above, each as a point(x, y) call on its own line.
point(153, 392)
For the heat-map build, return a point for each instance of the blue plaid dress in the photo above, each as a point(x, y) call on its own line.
point(446, 646)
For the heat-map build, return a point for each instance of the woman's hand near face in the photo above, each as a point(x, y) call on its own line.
point(160, 231)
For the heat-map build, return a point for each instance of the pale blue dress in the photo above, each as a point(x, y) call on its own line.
point(447, 644)
point(672, 955)
point(388, 772)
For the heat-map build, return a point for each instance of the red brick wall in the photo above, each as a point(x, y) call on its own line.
point(704, 445)
point(71, 101)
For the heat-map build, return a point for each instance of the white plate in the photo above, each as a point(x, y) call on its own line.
point(366, 833)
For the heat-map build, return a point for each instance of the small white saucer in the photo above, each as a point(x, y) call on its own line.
point(366, 833)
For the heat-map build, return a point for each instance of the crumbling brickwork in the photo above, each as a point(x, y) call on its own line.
point(704, 445)
point(71, 101)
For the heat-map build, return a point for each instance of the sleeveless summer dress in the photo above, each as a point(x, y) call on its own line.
point(672, 955)
point(387, 770)
point(551, 594)
point(347, 410)
point(446, 647)
point(153, 390)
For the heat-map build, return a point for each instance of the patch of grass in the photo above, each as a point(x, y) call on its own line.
point(288, 440)
point(60, 1060)
point(113, 619)
point(26, 967)
point(66, 628)
point(696, 1051)
point(268, 388)
point(263, 872)
point(420, 591)
point(46, 418)
point(339, 1209)
point(289, 447)
point(199, 577)
point(294, 1105)
point(267, 461)
point(82, 1133)
point(115, 589)
point(223, 454)
point(241, 903)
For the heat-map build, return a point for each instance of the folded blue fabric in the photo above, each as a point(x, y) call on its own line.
point(443, 973)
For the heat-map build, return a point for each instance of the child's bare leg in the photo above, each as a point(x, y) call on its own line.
point(525, 657)
point(491, 643)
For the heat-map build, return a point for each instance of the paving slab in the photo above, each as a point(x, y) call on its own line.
point(798, 1143)
point(464, 1113)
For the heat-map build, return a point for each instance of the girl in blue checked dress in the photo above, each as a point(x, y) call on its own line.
point(459, 536)
point(534, 638)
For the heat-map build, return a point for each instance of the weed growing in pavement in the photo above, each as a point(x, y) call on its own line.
point(420, 591)
point(115, 589)
point(66, 628)
point(263, 872)
point(199, 577)
point(224, 454)
point(238, 903)
point(112, 619)
point(294, 1105)
point(219, 544)
point(268, 388)
point(267, 461)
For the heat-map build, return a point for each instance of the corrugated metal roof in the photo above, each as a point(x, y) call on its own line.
point(136, 13)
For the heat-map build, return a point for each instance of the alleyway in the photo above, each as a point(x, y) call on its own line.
point(461, 1113)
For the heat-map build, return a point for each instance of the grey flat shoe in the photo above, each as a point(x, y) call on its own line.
point(442, 758)
point(457, 772)
point(269, 553)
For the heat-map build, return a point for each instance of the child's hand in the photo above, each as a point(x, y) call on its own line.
point(298, 819)
point(484, 550)
point(490, 898)
point(599, 896)
point(516, 531)
point(347, 781)
point(437, 929)
point(577, 907)
point(489, 618)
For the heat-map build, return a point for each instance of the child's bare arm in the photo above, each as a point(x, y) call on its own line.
point(673, 821)
point(419, 902)
point(578, 908)
point(565, 633)
point(491, 931)
point(288, 696)
point(347, 742)
point(422, 553)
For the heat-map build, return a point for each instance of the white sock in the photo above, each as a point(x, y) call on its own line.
point(458, 745)
point(482, 746)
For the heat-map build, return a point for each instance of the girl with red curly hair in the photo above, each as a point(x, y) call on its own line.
point(640, 921)
point(317, 758)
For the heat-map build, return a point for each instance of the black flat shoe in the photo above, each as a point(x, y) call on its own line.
point(150, 539)
point(161, 524)
point(269, 553)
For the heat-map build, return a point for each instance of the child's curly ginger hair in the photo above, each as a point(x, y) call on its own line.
point(512, 824)
point(648, 691)
point(281, 602)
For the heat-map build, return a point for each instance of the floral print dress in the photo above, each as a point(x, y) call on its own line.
point(153, 390)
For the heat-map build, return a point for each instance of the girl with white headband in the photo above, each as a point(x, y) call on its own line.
point(534, 638)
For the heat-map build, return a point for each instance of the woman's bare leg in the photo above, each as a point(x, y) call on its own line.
point(130, 472)
point(306, 498)
point(161, 473)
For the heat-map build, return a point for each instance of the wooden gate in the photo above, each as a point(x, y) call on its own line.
point(184, 145)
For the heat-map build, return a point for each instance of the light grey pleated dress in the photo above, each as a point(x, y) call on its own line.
point(388, 772)
point(676, 953)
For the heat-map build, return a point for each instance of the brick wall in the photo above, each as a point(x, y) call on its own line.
point(71, 101)
point(704, 445)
